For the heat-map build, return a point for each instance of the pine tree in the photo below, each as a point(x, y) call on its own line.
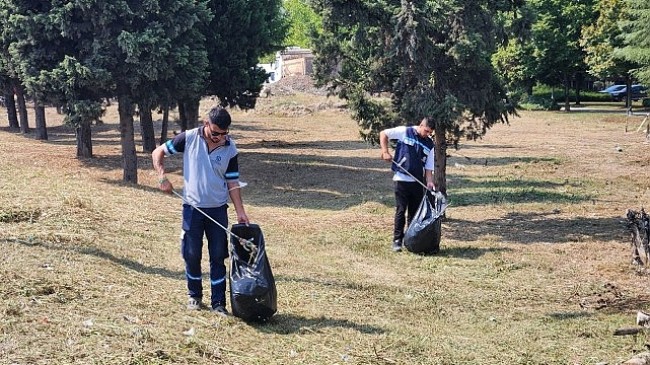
point(431, 57)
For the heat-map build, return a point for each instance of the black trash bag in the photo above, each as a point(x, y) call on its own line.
point(423, 234)
point(253, 295)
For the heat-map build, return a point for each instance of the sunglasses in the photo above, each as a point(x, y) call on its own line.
point(217, 134)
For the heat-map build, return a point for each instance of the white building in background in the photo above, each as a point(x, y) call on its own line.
point(291, 61)
point(273, 70)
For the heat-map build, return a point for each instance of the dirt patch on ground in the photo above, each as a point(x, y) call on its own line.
point(294, 96)
point(290, 85)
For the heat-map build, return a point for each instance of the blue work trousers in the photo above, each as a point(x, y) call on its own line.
point(195, 225)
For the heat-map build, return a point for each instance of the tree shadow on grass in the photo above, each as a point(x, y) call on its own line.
point(106, 134)
point(92, 251)
point(467, 252)
point(279, 144)
point(537, 227)
point(496, 182)
point(332, 183)
point(286, 324)
point(352, 286)
point(526, 194)
point(569, 315)
point(460, 161)
point(287, 174)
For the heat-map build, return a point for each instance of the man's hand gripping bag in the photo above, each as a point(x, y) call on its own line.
point(253, 295)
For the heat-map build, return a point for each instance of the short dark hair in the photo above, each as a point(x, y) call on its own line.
point(220, 117)
point(430, 123)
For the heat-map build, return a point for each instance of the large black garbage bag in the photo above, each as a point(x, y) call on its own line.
point(253, 295)
point(423, 234)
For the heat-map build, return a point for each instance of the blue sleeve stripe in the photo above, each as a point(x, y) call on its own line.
point(232, 175)
point(170, 147)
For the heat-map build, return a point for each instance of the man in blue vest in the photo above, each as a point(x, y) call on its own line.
point(413, 159)
point(210, 177)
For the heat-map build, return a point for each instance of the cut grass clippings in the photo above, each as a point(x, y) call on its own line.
point(534, 269)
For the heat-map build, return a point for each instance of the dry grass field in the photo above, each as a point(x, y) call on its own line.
point(535, 265)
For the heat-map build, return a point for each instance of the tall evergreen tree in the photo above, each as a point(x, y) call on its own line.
point(151, 53)
point(39, 52)
point(240, 33)
point(32, 49)
point(433, 57)
point(7, 92)
point(6, 81)
point(125, 48)
point(9, 69)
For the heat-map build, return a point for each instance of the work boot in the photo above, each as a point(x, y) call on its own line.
point(193, 304)
point(397, 245)
point(220, 310)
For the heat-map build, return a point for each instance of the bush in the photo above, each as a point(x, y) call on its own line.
point(536, 102)
point(546, 92)
point(646, 102)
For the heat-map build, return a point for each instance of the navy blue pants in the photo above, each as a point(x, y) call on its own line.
point(408, 196)
point(195, 225)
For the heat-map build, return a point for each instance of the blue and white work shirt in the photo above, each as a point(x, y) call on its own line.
point(413, 153)
point(205, 173)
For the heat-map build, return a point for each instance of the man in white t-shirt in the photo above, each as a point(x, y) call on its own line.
point(413, 154)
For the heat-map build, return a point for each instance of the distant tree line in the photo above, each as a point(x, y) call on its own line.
point(566, 43)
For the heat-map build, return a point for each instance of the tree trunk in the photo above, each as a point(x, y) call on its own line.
point(579, 80)
point(84, 139)
point(567, 101)
point(22, 110)
point(146, 128)
point(190, 109)
point(440, 150)
point(126, 110)
point(165, 124)
point(10, 103)
point(182, 117)
point(192, 112)
point(628, 94)
point(39, 116)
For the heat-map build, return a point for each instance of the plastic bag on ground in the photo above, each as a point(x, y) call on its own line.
point(423, 234)
point(253, 295)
